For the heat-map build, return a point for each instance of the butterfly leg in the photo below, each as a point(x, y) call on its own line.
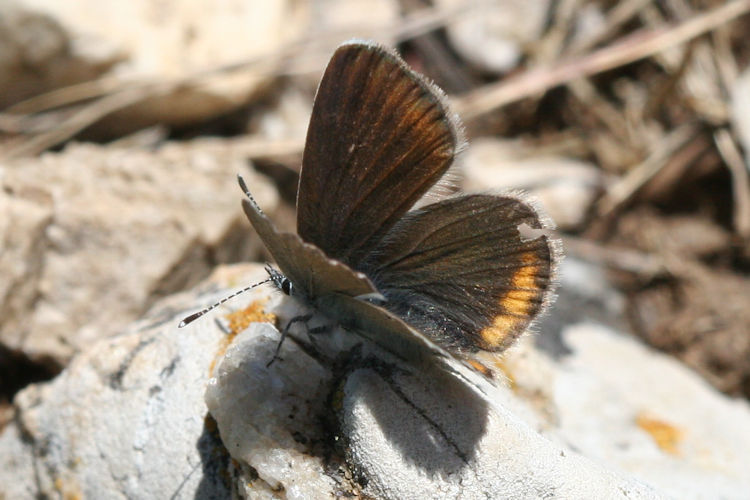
point(318, 330)
point(297, 319)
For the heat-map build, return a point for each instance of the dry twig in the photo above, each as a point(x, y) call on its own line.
point(740, 181)
point(639, 175)
point(627, 50)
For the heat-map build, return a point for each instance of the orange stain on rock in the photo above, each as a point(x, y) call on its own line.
point(238, 322)
point(665, 435)
point(254, 313)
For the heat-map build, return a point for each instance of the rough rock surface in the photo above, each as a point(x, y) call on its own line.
point(125, 419)
point(604, 417)
point(94, 235)
point(491, 35)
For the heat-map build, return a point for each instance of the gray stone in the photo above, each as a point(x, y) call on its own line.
point(126, 419)
point(94, 235)
point(609, 418)
point(492, 35)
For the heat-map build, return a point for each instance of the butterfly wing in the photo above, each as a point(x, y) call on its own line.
point(380, 136)
point(393, 335)
point(336, 290)
point(304, 264)
point(471, 272)
point(339, 287)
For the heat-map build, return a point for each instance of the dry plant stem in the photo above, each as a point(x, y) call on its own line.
point(740, 180)
point(725, 61)
point(627, 50)
point(587, 93)
point(257, 147)
point(70, 94)
point(677, 167)
point(639, 175)
point(605, 112)
point(36, 124)
point(79, 121)
point(563, 20)
point(700, 79)
point(667, 88)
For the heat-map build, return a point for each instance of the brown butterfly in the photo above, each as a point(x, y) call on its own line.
point(465, 274)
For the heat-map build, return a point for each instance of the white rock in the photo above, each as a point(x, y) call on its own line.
point(269, 418)
point(18, 461)
point(646, 413)
point(417, 439)
point(125, 419)
point(405, 435)
point(94, 234)
point(610, 419)
point(491, 35)
point(355, 18)
point(37, 54)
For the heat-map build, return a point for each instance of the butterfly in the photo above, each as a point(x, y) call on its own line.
point(452, 278)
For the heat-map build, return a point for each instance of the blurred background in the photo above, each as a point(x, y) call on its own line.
point(123, 125)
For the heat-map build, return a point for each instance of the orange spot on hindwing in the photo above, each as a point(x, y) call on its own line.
point(517, 306)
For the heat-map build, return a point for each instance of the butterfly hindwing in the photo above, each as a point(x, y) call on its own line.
point(393, 335)
point(471, 272)
point(380, 136)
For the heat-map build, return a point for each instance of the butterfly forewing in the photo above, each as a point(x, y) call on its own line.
point(304, 264)
point(379, 138)
point(462, 272)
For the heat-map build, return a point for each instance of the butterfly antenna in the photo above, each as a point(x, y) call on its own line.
point(245, 190)
point(197, 315)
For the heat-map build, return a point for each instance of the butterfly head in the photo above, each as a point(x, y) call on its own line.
point(282, 282)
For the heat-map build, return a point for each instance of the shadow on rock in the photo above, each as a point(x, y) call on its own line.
point(426, 417)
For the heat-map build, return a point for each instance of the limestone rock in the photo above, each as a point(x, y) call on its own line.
point(491, 35)
point(94, 235)
point(126, 418)
point(607, 418)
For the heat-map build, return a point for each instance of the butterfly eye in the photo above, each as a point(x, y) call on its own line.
point(286, 286)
